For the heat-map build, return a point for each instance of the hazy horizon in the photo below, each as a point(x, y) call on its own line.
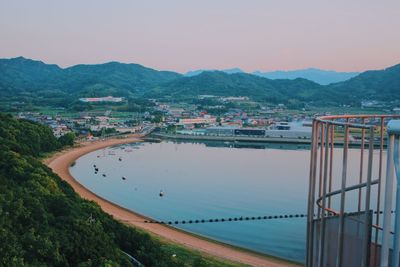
point(192, 70)
point(184, 36)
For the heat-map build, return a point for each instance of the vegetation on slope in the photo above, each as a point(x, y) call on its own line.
point(383, 85)
point(43, 222)
point(29, 81)
point(238, 84)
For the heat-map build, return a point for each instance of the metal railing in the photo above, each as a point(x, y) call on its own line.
point(343, 206)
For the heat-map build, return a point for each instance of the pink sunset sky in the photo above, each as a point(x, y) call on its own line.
point(183, 35)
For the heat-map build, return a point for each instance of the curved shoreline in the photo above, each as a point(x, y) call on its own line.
point(60, 163)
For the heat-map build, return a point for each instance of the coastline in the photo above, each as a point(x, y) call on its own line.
point(234, 138)
point(60, 163)
point(250, 139)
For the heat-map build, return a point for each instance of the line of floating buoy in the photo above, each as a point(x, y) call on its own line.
point(253, 218)
point(234, 219)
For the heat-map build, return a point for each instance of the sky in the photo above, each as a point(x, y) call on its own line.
point(183, 35)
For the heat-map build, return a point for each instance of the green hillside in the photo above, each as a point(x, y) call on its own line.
point(26, 80)
point(237, 84)
point(29, 81)
point(377, 84)
point(133, 78)
point(43, 222)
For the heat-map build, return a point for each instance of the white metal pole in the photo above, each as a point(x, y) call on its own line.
point(396, 242)
point(387, 212)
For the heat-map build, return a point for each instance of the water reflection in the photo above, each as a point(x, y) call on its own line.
point(203, 180)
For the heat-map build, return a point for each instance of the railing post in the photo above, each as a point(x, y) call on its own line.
point(331, 164)
point(378, 204)
point(396, 245)
point(361, 164)
point(324, 186)
point(343, 197)
point(367, 222)
point(311, 195)
point(392, 165)
point(387, 212)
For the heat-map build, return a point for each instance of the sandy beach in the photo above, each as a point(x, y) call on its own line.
point(60, 163)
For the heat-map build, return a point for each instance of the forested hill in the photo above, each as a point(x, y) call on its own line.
point(27, 81)
point(381, 85)
point(370, 85)
point(43, 222)
point(26, 75)
point(237, 84)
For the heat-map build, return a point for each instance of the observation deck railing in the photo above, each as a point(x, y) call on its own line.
point(344, 223)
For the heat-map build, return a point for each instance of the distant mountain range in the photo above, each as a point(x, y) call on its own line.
point(34, 81)
point(323, 77)
point(228, 71)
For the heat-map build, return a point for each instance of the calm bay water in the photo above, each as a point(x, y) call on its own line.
point(208, 181)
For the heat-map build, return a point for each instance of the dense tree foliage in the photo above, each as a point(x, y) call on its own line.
point(239, 84)
point(33, 83)
point(67, 139)
point(383, 85)
point(139, 104)
point(43, 222)
point(21, 74)
point(26, 137)
point(24, 80)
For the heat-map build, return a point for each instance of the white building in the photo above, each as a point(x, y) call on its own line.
point(102, 99)
point(205, 120)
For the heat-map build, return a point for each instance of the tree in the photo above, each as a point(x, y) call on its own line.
point(157, 118)
point(67, 139)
